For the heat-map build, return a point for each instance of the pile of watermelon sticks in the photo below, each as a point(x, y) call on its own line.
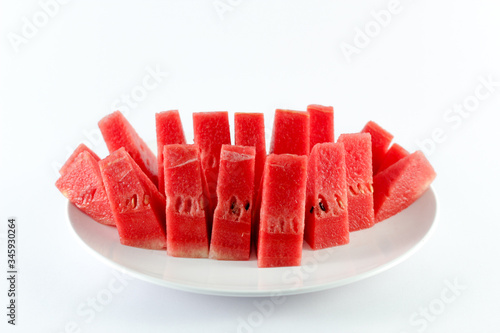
point(215, 200)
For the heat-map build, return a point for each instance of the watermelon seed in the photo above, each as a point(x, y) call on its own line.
point(247, 206)
point(312, 210)
point(146, 199)
point(361, 189)
point(322, 207)
point(351, 188)
point(340, 203)
point(133, 201)
point(370, 188)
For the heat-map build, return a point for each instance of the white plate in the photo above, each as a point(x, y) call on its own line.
point(370, 252)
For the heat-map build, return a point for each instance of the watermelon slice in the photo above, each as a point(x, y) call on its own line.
point(326, 223)
point(138, 207)
point(359, 180)
point(187, 202)
point(249, 130)
point(321, 118)
point(290, 133)
point(211, 131)
point(401, 184)
point(118, 132)
point(394, 154)
point(281, 227)
point(381, 139)
point(168, 131)
point(81, 147)
point(82, 184)
point(233, 215)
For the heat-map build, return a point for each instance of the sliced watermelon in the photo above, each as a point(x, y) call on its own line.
point(118, 132)
point(394, 154)
point(401, 184)
point(249, 130)
point(359, 180)
point(381, 139)
point(290, 133)
point(82, 184)
point(138, 207)
point(211, 131)
point(187, 202)
point(168, 131)
point(321, 118)
point(233, 215)
point(81, 147)
point(281, 229)
point(326, 223)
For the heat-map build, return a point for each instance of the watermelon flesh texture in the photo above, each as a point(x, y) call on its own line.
point(187, 202)
point(291, 133)
point(326, 222)
point(211, 131)
point(168, 131)
point(401, 184)
point(233, 215)
point(82, 184)
point(281, 228)
point(118, 133)
point(394, 154)
point(81, 147)
point(321, 119)
point(381, 139)
point(359, 180)
point(138, 207)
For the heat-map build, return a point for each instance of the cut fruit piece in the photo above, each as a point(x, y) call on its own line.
point(187, 202)
point(138, 207)
point(359, 180)
point(401, 184)
point(321, 118)
point(326, 223)
point(394, 154)
point(211, 131)
point(82, 184)
point(81, 147)
point(381, 139)
point(118, 133)
point(233, 215)
point(169, 131)
point(281, 229)
point(290, 133)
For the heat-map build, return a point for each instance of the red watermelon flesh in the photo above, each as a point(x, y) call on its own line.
point(326, 223)
point(249, 130)
point(321, 118)
point(187, 202)
point(381, 139)
point(138, 207)
point(401, 184)
point(74, 155)
point(281, 229)
point(211, 131)
point(394, 154)
point(168, 131)
point(118, 133)
point(233, 215)
point(291, 133)
point(82, 184)
point(359, 180)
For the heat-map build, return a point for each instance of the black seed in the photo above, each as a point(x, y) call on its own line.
point(312, 210)
point(247, 206)
point(322, 207)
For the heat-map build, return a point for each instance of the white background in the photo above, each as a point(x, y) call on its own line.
point(62, 77)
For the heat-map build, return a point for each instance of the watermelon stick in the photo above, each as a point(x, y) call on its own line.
point(321, 118)
point(168, 131)
point(281, 229)
point(233, 215)
point(187, 202)
point(290, 133)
